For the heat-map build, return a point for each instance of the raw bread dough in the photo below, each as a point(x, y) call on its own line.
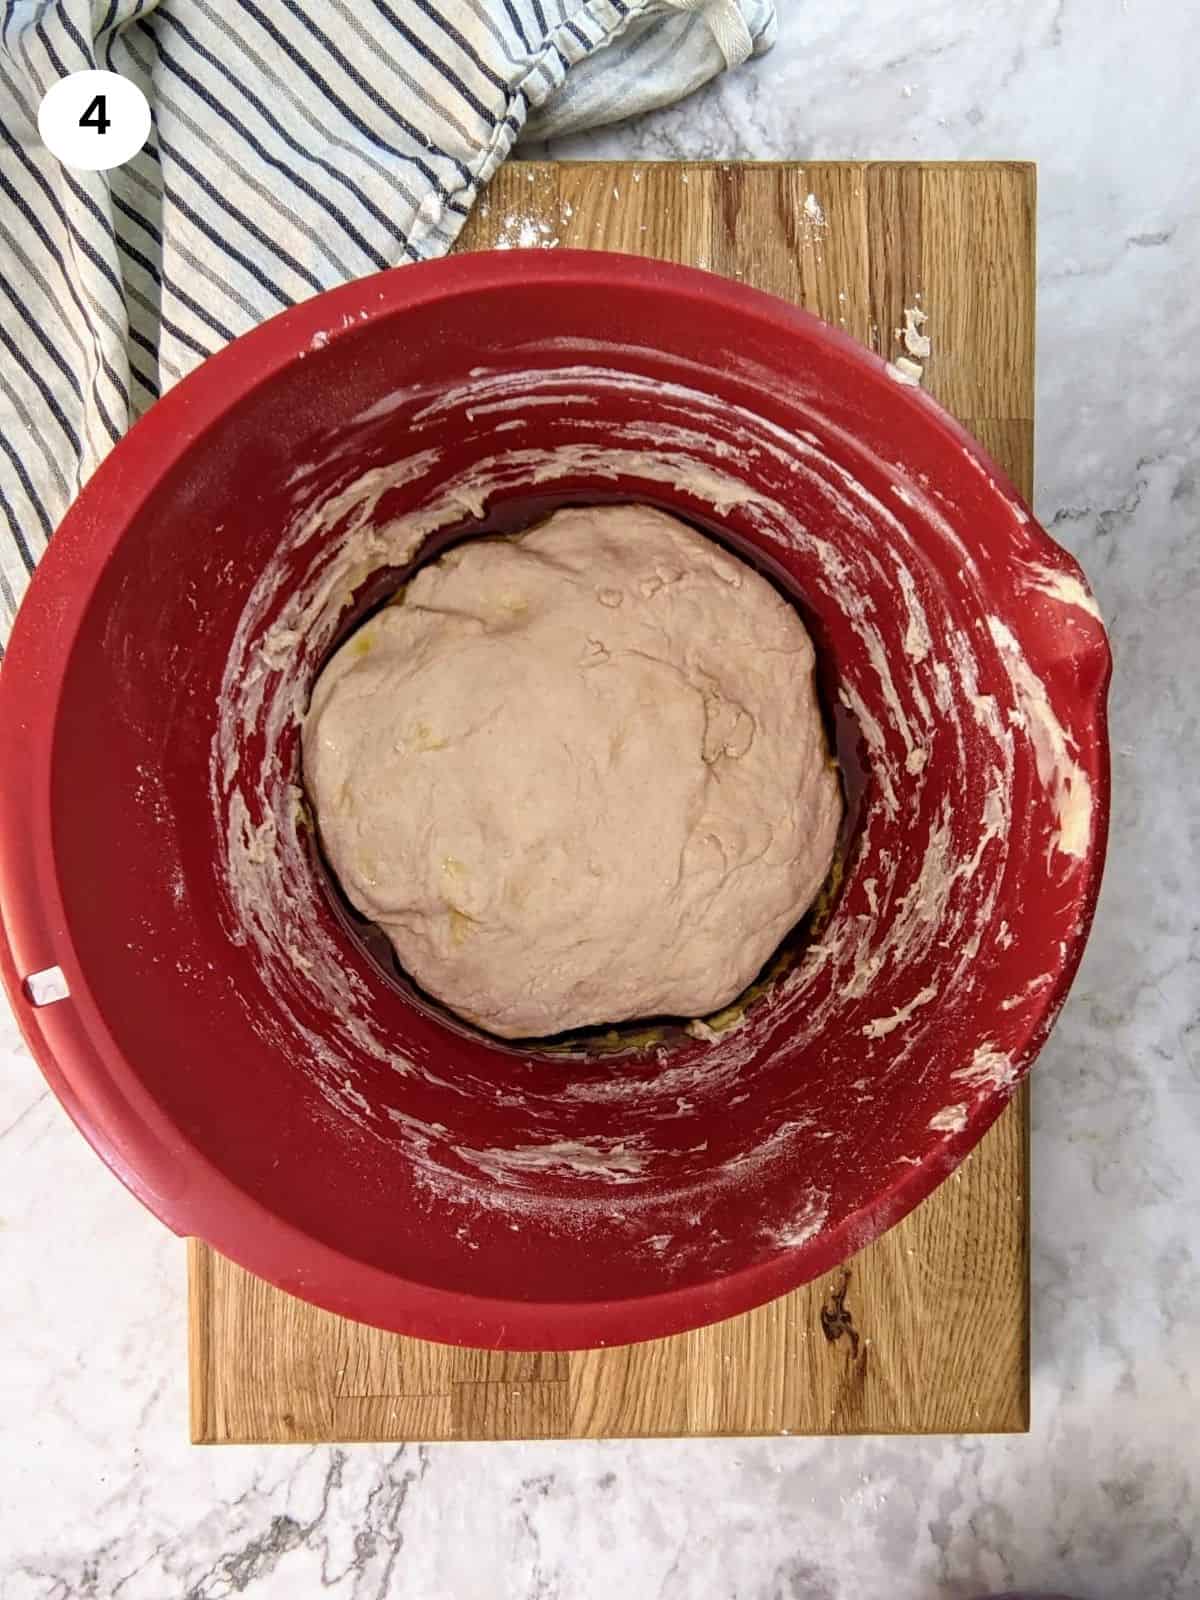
point(578, 775)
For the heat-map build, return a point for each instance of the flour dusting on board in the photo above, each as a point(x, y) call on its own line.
point(526, 233)
point(911, 684)
point(916, 342)
point(530, 227)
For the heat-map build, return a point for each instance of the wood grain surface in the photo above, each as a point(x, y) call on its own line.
point(926, 1330)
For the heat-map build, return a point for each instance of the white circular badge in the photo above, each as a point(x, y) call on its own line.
point(94, 120)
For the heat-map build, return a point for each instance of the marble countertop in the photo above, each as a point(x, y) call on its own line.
point(100, 1493)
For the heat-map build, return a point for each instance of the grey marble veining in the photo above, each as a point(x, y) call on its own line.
point(100, 1495)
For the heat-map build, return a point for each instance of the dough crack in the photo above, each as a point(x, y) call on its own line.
point(728, 728)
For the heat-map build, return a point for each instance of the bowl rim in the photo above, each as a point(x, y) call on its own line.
point(71, 1043)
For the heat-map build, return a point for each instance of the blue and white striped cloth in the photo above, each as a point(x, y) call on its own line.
point(295, 144)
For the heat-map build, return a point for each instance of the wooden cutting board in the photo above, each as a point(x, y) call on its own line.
point(925, 1331)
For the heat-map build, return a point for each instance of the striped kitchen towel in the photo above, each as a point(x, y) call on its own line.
point(295, 144)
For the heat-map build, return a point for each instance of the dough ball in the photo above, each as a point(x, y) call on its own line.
point(578, 775)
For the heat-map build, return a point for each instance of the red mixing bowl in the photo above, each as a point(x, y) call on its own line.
point(224, 1036)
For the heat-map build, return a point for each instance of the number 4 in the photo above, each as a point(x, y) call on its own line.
point(94, 116)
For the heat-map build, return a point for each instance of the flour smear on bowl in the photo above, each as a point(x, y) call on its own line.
point(937, 904)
